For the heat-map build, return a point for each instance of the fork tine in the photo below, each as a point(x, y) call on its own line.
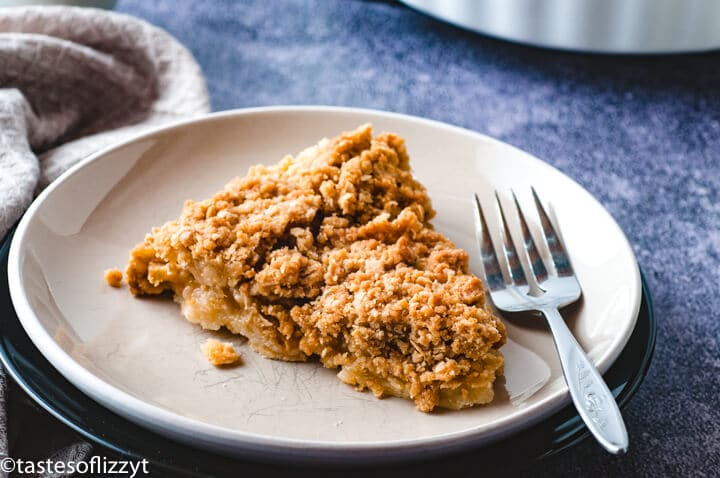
point(492, 273)
point(536, 263)
point(557, 250)
point(516, 271)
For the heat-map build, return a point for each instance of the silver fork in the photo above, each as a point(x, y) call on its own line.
point(544, 289)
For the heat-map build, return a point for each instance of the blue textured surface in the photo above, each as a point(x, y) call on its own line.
point(642, 134)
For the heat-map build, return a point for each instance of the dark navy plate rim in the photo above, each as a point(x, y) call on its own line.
point(51, 391)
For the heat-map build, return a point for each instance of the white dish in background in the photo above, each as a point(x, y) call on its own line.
point(602, 26)
point(140, 358)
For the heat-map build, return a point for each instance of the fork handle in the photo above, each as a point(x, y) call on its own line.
point(588, 390)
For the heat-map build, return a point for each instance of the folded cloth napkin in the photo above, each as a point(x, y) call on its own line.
point(72, 81)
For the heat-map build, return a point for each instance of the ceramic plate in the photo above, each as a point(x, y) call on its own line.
point(562, 430)
point(141, 359)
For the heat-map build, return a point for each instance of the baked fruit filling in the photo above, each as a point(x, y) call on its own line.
point(331, 255)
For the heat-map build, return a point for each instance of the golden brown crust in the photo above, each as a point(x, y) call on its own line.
point(331, 254)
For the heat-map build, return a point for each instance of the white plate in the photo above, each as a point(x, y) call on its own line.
point(140, 358)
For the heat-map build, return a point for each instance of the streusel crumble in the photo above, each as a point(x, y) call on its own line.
point(219, 353)
point(113, 277)
point(331, 255)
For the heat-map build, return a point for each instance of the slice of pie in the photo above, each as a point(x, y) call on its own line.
point(331, 255)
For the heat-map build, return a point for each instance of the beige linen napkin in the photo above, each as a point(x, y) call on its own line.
point(72, 81)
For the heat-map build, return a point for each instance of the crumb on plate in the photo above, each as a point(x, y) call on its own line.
point(219, 353)
point(114, 277)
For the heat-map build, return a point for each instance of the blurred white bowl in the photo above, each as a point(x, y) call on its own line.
point(607, 26)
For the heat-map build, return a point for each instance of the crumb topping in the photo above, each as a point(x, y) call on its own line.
point(331, 255)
